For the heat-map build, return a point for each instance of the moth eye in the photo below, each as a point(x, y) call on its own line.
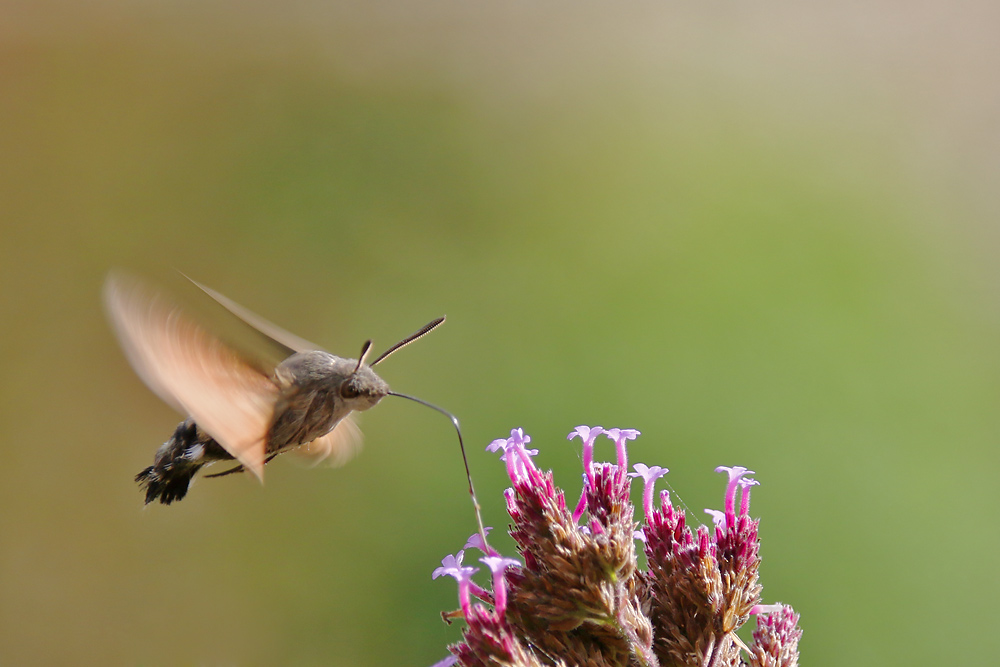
point(347, 390)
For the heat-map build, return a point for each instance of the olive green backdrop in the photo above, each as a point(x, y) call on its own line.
point(763, 234)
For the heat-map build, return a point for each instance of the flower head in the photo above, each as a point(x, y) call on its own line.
point(776, 639)
point(580, 597)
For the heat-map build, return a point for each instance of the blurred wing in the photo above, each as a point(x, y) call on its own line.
point(336, 447)
point(193, 371)
point(287, 341)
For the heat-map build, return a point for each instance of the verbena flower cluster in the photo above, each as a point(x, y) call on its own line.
point(577, 595)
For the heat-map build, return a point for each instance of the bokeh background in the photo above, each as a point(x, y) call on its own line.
point(762, 233)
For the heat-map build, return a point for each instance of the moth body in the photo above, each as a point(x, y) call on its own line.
point(316, 391)
point(237, 409)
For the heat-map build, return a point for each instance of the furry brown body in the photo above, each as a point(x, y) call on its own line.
point(316, 391)
point(238, 407)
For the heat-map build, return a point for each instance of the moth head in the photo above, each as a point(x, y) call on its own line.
point(362, 389)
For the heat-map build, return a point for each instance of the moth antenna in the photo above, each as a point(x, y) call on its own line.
point(409, 339)
point(365, 349)
point(454, 421)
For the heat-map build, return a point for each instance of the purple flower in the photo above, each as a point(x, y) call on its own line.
point(518, 437)
point(522, 457)
point(476, 541)
point(517, 458)
point(449, 564)
point(649, 476)
point(498, 565)
point(735, 474)
point(620, 435)
point(499, 443)
point(745, 484)
point(588, 434)
point(718, 518)
point(452, 566)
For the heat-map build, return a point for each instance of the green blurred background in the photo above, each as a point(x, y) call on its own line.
point(762, 233)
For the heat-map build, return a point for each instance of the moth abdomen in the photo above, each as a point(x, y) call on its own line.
point(177, 461)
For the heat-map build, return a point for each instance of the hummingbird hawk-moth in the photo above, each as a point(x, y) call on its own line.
point(238, 408)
